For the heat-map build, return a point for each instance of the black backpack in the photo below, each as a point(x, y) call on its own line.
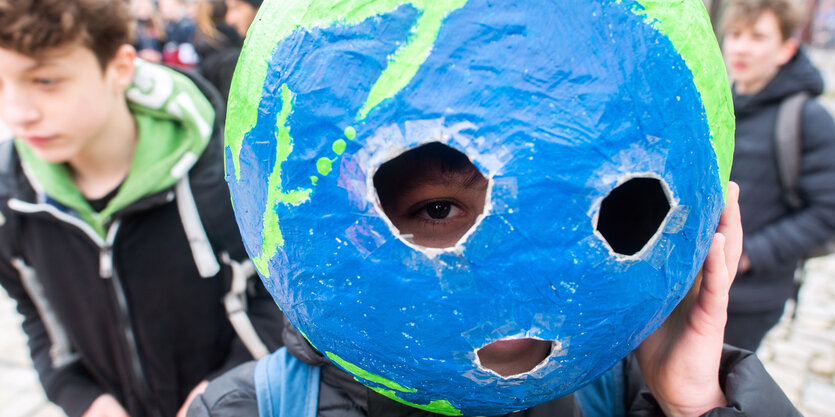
point(788, 139)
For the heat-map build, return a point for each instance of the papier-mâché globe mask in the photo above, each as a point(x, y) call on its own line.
point(603, 130)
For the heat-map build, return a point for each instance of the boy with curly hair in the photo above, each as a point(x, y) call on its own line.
point(115, 216)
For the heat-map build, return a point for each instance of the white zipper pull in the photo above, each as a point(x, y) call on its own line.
point(106, 262)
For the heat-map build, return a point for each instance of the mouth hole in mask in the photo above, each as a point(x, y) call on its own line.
point(632, 214)
point(514, 356)
point(433, 195)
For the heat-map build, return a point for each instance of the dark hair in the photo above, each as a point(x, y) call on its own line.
point(748, 11)
point(33, 27)
point(210, 13)
point(403, 172)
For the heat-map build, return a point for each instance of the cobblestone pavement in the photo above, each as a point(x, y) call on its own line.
point(799, 353)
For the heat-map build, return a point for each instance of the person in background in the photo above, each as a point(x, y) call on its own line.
point(767, 68)
point(241, 13)
point(219, 67)
point(150, 33)
point(179, 33)
point(213, 34)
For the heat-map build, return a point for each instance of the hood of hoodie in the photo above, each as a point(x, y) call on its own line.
point(174, 122)
point(799, 74)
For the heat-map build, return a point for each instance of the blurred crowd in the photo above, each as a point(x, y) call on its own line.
point(203, 35)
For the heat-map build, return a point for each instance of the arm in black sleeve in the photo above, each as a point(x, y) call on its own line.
point(795, 235)
point(749, 388)
point(69, 386)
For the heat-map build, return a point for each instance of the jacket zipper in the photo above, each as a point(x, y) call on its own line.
point(141, 382)
point(106, 271)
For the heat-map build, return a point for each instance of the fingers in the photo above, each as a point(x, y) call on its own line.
point(730, 226)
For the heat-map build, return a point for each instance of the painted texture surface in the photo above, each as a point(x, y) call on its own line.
point(557, 102)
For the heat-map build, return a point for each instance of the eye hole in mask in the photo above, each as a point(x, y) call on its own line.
point(432, 194)
point(632, 214)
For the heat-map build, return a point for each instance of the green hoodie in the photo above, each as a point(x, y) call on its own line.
point(174, 121)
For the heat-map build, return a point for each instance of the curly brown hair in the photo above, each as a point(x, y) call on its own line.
point(34, 27)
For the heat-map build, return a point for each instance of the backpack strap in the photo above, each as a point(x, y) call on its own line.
point(6, 156)
point(605, 396)
point(788, 141)
point(8, 162)
point(280, 376)
point(201, 248)
point(208, 266)
point(236, 306)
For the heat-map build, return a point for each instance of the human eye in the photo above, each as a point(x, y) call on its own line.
point(760, 35)
point(46, 82)
point(436, 223)
point(438, 210)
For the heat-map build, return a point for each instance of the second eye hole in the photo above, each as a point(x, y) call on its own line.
point(632, 214)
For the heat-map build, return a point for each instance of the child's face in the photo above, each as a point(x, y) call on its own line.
point(754, 52)
point(59, 103)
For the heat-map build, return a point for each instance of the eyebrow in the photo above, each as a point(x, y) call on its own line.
point(40, 64)
point(48, 59)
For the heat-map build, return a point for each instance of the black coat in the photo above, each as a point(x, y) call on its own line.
point(776, 237)
point(153, 329)
point(219, 68)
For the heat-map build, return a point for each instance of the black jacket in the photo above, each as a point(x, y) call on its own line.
point(748, 387)
point(149, 329)
point(775, 236)
point(219, 67)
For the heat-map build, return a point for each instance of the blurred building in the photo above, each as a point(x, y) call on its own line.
point(822, 29)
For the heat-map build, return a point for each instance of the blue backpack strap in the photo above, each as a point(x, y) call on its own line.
point(605, 396)
point(286, 386)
